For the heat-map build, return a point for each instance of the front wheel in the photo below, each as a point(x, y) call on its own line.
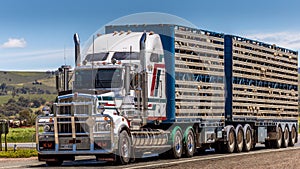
point(124, 148)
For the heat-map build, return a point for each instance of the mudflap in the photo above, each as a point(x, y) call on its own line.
point(106, 157)
point(55, 158)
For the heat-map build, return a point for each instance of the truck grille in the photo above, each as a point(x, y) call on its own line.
point(75, 106)
point(65, 126)
point(76, 109)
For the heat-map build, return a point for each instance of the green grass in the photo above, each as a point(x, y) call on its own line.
point(47, 97)
point(20, 153)
point(20, 135)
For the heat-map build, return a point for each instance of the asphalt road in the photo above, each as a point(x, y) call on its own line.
point(154, 162)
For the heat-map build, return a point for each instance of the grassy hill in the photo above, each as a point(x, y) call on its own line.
point(24, 79)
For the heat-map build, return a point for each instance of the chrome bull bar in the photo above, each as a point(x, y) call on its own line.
point(73, 132)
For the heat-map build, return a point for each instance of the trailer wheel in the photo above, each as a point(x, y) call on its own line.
point(239, 140)
point(230, 146)
point(278, 142)
point(124, 148)
point(248, 140)
point(292, 137)
point(189, 146)
point(54, 163)
point(285, 137)
point(177, 148)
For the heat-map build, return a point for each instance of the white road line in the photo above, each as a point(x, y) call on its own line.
point(209, 158)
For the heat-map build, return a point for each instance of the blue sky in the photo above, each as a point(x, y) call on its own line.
point(38, 35)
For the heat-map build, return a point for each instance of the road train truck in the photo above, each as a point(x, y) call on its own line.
point(170, 90)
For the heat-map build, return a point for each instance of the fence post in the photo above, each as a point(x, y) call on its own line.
point(0, 141)
point(4, 127)
point(5, 140)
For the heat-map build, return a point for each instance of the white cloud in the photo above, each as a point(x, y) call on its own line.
point(290, 40)
point(14, 43)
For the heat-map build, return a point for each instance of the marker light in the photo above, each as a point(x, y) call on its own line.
point(113, 61)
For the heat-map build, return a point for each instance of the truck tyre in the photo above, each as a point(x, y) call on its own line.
point(293, 135)
point(124, 148)
point(248, 140)
point(177, 147)
point(278, 141)
point(239, 139)
point(55, 163)
point(230, 146)
point(285, 138)
point(189, 146)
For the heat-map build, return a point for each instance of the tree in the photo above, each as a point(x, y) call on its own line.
point(11, 109)
point(28, 116)
point(22, 101)
point(10, 101)
point(24, 114)
point(13, 93)
point(3, 87)
point(35, 103)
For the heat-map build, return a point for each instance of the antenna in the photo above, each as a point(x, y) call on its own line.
point(93, 51)
point(130, 52)
point(65, 55)
point(92, 74)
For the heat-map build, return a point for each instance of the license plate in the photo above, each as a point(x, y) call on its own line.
point(66, 146)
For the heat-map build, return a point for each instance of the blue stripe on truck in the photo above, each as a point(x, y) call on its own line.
point(228, 77)
point(168, 42)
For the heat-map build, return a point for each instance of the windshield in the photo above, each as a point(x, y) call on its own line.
point(98, 78)
point(96, 57)
point(126, 56)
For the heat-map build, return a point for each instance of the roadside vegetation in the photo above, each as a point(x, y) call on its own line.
point(20, 135)
point(22, 111)
point(19, 153)
point(23, 94)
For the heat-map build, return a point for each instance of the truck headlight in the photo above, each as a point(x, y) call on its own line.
point(103, 127)
point(47, 128)
point(107, 127)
